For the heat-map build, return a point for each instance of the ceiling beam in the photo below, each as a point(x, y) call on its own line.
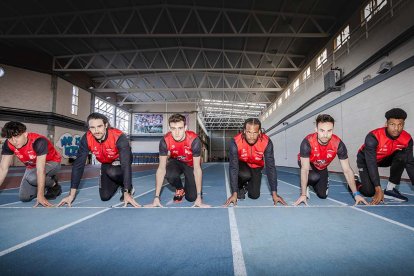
point(146, 90)
point(176, 69)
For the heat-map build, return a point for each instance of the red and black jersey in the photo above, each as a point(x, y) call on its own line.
point(251, 154)
point(321, 155)
point(106, 152)
point(182, 150)
point(387, 146)
point(28, 155)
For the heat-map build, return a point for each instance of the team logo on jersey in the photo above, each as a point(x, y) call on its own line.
point(31, 156)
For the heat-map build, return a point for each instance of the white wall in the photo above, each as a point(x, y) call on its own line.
point(146, 145)
point(362, 113)
point(25, 89)
point(64, 101)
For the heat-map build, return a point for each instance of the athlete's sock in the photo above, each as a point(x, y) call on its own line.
point(390, 186)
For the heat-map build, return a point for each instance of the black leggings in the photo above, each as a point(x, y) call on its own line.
point(111, 180)
point(174, 170)
point(397, 163)
point(318, 179)
point(250, 177)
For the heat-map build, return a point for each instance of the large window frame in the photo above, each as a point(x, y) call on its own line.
point(342, 38)
point(123, 120)
point(321, 59)
point(106, 109)
point(371, 8)
point(75, 100)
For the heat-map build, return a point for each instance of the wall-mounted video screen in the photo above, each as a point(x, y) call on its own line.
point(147, 124)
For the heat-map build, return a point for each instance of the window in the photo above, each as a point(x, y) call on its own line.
point(122, 120)
point(279, 102)
point(372, 8)
point(75, 100)
point(287, 93)
point(106, 109)
point(321, 59)
point(341, 38)
point(296, 85)
point(306, 74)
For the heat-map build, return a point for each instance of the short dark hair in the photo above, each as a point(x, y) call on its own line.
point(252, 121)
point(396, 113)
point(175, 118)
point(12, 129)
point(97, 116)
point(325, 118)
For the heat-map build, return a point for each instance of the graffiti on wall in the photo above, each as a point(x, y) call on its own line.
point(69, 144)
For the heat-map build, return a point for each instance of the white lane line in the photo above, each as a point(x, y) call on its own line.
point(385, 219)
point(239, 265)
point(368, 213)
point(63, 207)
point(82, 201)
point(221, 207)
point(91, 187)
point(26, 243)
point(59, 183)
point(339, 202)
point(87, 178)
point(17, 202)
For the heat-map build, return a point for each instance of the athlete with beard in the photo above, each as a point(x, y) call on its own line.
point(250, 151)
point(389, 146)
point(317, 151)
point(111, 148)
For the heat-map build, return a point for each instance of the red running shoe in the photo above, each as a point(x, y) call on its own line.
point(179, 195)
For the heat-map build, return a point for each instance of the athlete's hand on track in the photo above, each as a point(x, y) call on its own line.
point(360, 199)
point(301, 199)
point(277, 199)
point(199, 203)
point(67, 200)
point(129, 199)
point(155, 203)
point(232, 199)
point(42, 201)
point(378, 196)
